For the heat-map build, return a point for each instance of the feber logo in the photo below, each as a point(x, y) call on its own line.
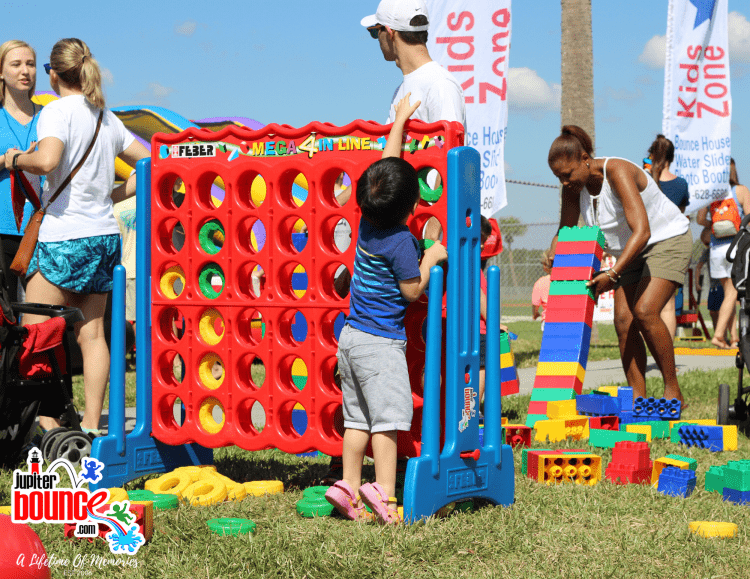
point(37, 499)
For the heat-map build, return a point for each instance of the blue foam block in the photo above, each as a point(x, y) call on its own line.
point(578, 260)
point(597, 405)
point(676, 482)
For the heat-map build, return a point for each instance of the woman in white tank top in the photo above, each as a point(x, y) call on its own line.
point(645, 231)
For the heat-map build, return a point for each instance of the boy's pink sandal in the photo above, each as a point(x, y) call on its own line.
point(341, 495)
point(383, 507)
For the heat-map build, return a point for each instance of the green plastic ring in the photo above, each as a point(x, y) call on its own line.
point(204, 281)
point(230, 526)
point(315, 492)
point(165, 502)
point(425, 191)
point(141, 495)
point(425, 244)
point(314, 507)
point(206, 236)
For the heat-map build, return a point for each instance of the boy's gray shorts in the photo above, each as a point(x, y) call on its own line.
point(374, 382)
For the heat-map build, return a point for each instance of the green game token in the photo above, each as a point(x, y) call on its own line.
point(309, 507)
point(425, 191)
point(141, 495)
point(204, 281)
point(315, 492)
point(230, 526)
point(165, 502)
point(207, 236)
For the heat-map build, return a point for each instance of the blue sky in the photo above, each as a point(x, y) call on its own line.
point(298, 61)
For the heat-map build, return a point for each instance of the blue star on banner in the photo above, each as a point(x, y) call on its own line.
point(705, 8)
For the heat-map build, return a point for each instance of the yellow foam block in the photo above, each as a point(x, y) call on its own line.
point(700, 422)
point(730, 436)
point(561, 369)
point(561, 409)
point(640, 428)
point(611, 390)
point(661, 463)
point(584, 469)
point(713, 529)
point(560, 429)
point(506, 360)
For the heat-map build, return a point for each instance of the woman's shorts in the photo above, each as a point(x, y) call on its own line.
point(82, 266)
point(668, 259)
point(374, 382)
point(715, 296)
point(720, 266)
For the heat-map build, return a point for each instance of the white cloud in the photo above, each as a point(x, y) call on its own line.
point(624, 94)
point(186, 28)
point(528, 92)
point(158, 91)
point(739, 37)
point(107, 76)
point(654, 53)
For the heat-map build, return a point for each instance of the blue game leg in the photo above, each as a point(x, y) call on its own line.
point(138, 453)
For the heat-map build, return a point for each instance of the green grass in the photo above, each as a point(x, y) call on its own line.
point(567, 530)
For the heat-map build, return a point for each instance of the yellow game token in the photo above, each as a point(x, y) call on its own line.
point(713, 529)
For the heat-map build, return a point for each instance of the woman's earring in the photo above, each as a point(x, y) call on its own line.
point(587, 166)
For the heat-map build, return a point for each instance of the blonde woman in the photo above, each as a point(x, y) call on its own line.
point(18, 124)
point(79, 241)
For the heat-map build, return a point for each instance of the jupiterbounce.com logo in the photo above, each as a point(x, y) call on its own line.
point(36, 498)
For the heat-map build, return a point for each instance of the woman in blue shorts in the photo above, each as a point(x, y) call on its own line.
point(79, 239)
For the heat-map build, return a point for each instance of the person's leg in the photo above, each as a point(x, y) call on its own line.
point(725, 311)
point(385, 455)
point(39, 290)
point(651, 295)
point(90, 336)
point(355, 445)
point(734, 331)
point(669, 316)
point(632, 349)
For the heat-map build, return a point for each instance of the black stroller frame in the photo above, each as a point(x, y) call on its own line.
point(17, 420)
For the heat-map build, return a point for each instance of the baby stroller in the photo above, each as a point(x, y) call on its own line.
point(34, 379)
point(736, 411)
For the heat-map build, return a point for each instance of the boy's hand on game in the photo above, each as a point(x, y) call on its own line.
point(436, 253)
point(404, 110)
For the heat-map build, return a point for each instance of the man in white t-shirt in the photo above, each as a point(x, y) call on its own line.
point(400, 26)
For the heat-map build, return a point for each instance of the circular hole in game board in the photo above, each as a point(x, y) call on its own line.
point(331, 325)
point(211, 371)
point(251, 281)
point(335, 234)
point(335, 279)
point(293, 327)
point(171, 325)
point(211, 236)
point(211, 415)
point(251, 190)
point(251, 372)
point(170, 236)
point(211, 190)
point(332, 421)
point(430, 185)
point(251, 416)
point(329, 376)
point(292, 234)
point(293, 189)
point(251, 234)
point(342, 188)
point(211, 327)
point(169, 412)
point(293, 373)
point(211, 281)
point(293, 280)
point(251, 328)
point(171, 192)
point(171, 368)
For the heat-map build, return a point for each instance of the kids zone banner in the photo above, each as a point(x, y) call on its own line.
point(697, 100)
point(471, 39)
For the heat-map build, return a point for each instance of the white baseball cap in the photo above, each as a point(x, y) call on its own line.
point(396, 15)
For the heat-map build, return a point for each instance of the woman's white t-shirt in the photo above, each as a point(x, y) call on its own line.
point(84, 208)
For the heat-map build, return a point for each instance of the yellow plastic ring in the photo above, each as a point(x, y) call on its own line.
point(172, 483)
point(168, 280)
point(195, 471)
point(207, 327)
point(206, 418)
point(713, 529)
point(238, 493)
point(259, 488)
point(117, 494)
point(205, 372)
point(205, 492)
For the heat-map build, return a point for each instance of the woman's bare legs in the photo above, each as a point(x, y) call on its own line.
point(726, 311)
point(637, 318)
point(90, 336)
point(669, 316)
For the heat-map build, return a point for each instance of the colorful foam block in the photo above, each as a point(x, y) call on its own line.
point(578, 247)
point(577, 260)
point(561, 409)
point(585, 469)
point(517, 435)
point(597, 405)
point(737, 475)
point(604, 422)
point(735, 496)
point(676, 482)
point(657, 408)
point(581, 234)
point(662, 463)
point(715, 479)
point(644, 429)
point(572, 383)
point(557, 430)
point(570, 288)
point(571, 273)
point(608, 438)
point(710, 437)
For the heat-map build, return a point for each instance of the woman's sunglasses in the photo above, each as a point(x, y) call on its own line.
point(375, 30)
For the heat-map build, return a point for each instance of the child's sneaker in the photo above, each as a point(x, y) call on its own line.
point(384, 508)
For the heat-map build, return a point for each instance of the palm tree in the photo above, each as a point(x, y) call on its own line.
point(577, 65)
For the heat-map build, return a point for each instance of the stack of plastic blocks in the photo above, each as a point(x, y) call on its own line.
point(657, 408)
point(517, 434)
point(597, 404)
point(714, 438)
point(674, 427)
point(676, 482)
point(675, 460)
point(561, 429)
point(631, 463)
point(651, 428)
point(608, 438)
point(568, 318)
point(530, 458)
point(508, 374)
point(737, 481)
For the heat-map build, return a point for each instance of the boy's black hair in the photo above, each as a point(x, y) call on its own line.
point(415, 38)
point(486, 227)
point(387, 192)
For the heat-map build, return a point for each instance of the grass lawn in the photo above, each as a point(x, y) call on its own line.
point(567, 530)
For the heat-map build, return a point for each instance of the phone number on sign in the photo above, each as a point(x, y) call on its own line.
point(713, 194)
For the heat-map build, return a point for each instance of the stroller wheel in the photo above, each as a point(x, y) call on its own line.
point(722, 415)
point(73, 446)
point(48, 441)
